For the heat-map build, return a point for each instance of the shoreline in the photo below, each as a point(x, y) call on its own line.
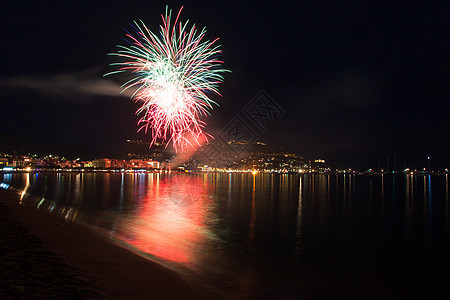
point(112, 270)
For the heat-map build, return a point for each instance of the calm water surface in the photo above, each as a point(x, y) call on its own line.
point(265, 235)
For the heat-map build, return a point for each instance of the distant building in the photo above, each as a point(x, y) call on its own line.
point(143, 164)
point(88, 164)
point(319, 165)
point(102, 163)
point(283, 162)
point(37, 162)
point(4, 161)
point(153, 164)
point(18, 162)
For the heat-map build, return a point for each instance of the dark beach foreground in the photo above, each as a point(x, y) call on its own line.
point(42, 256)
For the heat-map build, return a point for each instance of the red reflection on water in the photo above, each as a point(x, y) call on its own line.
point(170, 220)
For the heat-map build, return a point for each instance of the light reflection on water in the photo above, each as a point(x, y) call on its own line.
point(244, 230)
point(169, 220)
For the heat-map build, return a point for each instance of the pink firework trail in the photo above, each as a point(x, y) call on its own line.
point(173, 74)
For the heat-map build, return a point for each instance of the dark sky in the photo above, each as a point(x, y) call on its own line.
point(357, 80)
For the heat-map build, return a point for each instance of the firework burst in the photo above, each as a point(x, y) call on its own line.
point(173, 74)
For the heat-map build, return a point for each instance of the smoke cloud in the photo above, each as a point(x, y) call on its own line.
point(79, 86)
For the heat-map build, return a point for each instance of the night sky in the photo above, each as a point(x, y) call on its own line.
point(358, 81)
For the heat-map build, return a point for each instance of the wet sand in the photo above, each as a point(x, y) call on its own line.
point(43, 256)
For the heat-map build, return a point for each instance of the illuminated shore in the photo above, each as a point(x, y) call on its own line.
point(100, 268)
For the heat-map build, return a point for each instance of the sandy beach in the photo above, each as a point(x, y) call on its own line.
point(43, 256)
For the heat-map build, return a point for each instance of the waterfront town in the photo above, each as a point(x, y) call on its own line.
point(157, 158)
point(274, 162)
